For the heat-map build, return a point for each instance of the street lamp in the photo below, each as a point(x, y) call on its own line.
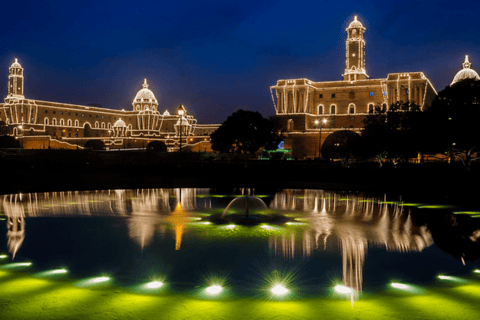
point(180, 113)
point(320, 124)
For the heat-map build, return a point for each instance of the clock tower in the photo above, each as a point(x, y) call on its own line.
point(15, 81)
point(355, 62)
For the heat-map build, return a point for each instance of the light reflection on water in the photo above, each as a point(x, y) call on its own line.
point(324, 221)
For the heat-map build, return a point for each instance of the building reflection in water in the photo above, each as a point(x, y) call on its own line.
point(353, 222)
point(145, 210)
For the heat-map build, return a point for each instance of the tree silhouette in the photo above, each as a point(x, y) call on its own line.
point(451, 124)
point(391, 133)
point(344, 145)
point(95, 145)
point(9, 142)
point(157, 146)
point(245, 132)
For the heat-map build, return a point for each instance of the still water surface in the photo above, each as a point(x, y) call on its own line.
point(188, 238)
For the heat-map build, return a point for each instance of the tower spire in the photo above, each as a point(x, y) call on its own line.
point(466, 64)
point(355, 52)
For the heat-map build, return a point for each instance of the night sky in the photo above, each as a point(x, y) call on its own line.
point(219, 56)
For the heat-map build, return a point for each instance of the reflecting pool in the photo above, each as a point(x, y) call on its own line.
point(280, 244)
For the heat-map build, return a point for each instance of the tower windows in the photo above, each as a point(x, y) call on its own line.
point(320, 95)
point(370, 94)
point(333, 95)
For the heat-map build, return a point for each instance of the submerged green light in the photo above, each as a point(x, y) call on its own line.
point(154, 285)
point(214, 290)
point(279, 290)
point(16, 265)
point(343, 289)
point(400, 286)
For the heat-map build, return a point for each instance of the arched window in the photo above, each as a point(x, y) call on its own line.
point(96, 124)
point(333, 109)
point(370, 108)
point(129, 127)
point(45, 121)
point(77, 124)
point(103, 125)
point(69, 123)
point(320, 109)
point(62, 122)
point(109, 125)
point(351, 108)
point(54, 121)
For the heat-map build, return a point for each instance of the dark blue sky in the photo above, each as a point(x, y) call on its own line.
point(218, 56)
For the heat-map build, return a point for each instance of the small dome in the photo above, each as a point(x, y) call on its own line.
point(145, 94)
point(120, 123)
point(465, 73)
point(16, 64)
point(355, 24)
point(166, 113)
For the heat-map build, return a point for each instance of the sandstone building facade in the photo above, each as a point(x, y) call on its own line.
point(45, 124)
point(309, 111)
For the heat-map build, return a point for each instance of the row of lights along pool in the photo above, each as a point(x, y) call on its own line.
point(277, 289)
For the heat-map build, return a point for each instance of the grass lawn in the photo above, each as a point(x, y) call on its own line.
point(25, 296)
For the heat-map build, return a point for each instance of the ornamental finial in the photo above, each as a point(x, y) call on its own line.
point(467, 63)
point(145, 84)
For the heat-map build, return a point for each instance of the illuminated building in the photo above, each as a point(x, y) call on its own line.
point(45, 124)
point(301, 105)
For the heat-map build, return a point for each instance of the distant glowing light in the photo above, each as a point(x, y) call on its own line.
point(230, 226)
point(400, 286)
point(58, 271)
point(214, 290)
point(279, 290)
point(343, 289)
point(476, 271)
point(154, 285)
point(99, 279)
point(3, 256)
point(51, 273)
point(16, 265)
point(450, 278)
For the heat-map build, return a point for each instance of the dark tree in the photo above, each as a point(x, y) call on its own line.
point(245, 132)
point(157, 146)
point(3, 128)
point(344, 145)
point(451, 125)
point(9, 142)
point(391, 133)
point(95, 145)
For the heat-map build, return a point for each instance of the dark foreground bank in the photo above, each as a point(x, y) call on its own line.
point(61, 170)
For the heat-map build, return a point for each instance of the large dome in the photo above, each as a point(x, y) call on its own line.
point(145, 94)
point(465, 73)
point(145, 99)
